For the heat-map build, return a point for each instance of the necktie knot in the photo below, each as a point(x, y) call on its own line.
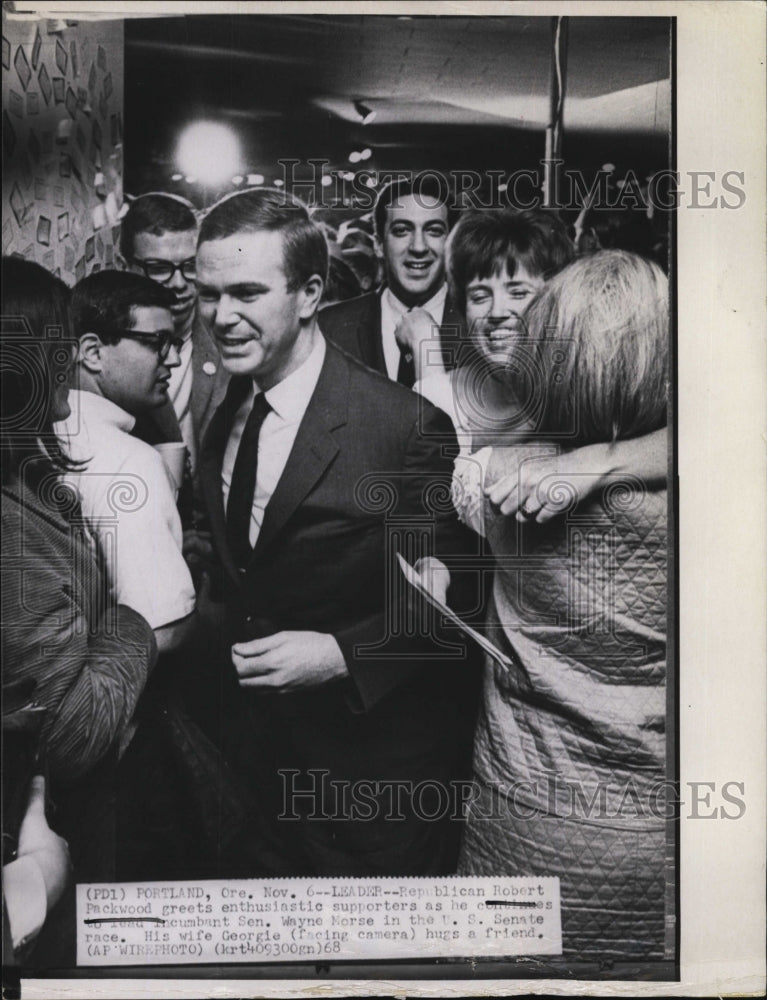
point(260, 410)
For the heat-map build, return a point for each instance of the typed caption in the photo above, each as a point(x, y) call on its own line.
point(316, 920)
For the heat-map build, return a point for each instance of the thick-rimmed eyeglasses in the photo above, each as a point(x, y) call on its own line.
point(164, 270)
point(161, 342)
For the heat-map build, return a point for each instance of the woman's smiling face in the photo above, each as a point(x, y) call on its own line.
point(494, 308)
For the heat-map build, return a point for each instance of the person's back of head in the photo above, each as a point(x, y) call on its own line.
point(37, 348)
point(617, 229)
point(601, 327)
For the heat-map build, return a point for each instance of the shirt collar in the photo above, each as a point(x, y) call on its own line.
point(435, 306)
point(98, 408)
point(290, 397)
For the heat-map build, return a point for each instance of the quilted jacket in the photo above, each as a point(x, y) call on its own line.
point(570, 750)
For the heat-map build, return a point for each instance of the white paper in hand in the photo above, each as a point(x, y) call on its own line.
point(415, 580)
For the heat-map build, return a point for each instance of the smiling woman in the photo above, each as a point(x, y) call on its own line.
point(496, 262)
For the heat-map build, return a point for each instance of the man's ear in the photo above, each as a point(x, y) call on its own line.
point(90, 353)
point(312, 296)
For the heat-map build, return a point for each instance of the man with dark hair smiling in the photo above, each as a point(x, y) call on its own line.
point(412, 222)
point(307, 468)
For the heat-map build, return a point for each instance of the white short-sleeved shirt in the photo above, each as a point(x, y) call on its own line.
point(128, 504)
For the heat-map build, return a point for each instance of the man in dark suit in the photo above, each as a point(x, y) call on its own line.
point(350, 714)
point(158, 238)
point(383, 329)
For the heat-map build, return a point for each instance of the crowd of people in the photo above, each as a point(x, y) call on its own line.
point(211, 461)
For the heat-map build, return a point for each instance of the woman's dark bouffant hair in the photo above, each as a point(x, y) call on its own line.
point(36, 343)
point(485, 241)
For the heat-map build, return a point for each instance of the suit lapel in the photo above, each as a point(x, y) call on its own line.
point(451, 319)
point(450, 334)
point(369, 337)
point(313, 450)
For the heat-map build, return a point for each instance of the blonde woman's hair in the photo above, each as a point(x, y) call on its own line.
point(598, 336)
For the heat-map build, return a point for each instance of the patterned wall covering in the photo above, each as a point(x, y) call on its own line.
point(62, 143)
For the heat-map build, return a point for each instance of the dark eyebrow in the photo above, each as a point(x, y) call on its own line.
point(166, 260)
point(243, 288)
point(167, 331)
point(246, 288)
point(485, 283)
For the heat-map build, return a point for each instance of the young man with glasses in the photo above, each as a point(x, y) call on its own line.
point(158, 238)
point(127, 350)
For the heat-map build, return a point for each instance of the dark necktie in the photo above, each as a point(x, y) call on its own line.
point(239, 506)
point(406, 369)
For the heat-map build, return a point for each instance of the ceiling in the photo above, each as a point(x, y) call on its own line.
point(462, 92)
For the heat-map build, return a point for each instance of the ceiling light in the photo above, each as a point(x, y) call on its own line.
point(354, 157)
point(366, 114)
point(255, 179)
point(237, 179)
point(209, 151)
point(326, 181)
point(366, 154)
point(279, 182)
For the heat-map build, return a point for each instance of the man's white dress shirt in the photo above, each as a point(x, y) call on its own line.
point(288, 400)
point(392, 311)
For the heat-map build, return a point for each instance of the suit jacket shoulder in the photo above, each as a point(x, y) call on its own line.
point(340, 316)
point(369, 390)
point(355, 327)
point(209, 377)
